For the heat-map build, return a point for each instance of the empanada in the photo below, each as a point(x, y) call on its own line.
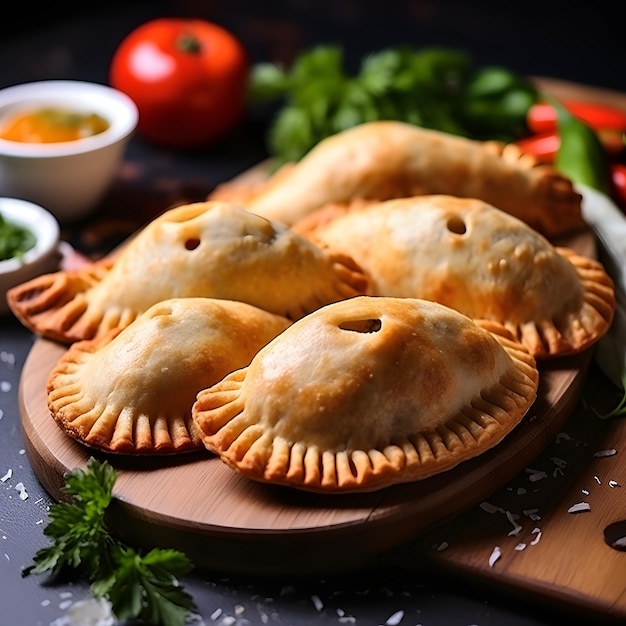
point(366, 393)
point(386, 159)
point(131, 391)
point(477, 259)
point(204, 249)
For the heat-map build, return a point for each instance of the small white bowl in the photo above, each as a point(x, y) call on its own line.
point(68, 178)
point(44, 257)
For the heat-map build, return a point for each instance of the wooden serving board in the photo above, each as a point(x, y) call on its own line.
point(223, 521)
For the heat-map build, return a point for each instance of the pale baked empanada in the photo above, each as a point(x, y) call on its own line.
point(366, 393)
point(477, 259)
point(204, 249)
point(131, 391)
point(385, 159)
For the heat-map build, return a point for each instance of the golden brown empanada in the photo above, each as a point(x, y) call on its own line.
point(477, 259)
point(386, 159)
point(366, 393)
point(204, 249)
point(131, 391)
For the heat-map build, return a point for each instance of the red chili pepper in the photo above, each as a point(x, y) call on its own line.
point(545, 145)
point(618, 181)
point(541, 117)
point(541, 145)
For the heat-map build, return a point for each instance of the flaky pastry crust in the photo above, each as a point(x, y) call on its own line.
point(366, 393)
point(481, 261)
point(204, 249)
point(386, 159)
point(131, 390)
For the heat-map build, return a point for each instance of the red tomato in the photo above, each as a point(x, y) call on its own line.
point(188, 78)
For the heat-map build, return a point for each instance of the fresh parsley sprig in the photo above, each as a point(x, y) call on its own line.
point(138, 586)
point(436, 88)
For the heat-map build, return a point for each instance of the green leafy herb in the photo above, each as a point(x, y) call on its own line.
point(580, 156)
point(435, 88)
point(619, 410)
point(15, 240)
point(138, 586)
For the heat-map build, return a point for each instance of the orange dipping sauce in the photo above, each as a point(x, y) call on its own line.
point(52, 126)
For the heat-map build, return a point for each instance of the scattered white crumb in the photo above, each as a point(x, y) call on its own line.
point(7, 476)
point(602, 453)
point(537, 538)
point(559, 462)
point(532, 514)
point(516, 527)
point(90, 612)
point(520, 546)
point(535, 475)
point(395, 619)
point(579, 507)
point(441, 546)
point(215, 614)
point(5, 386)
point(22, 491)
point(613, 483)
point(8, 358)
point(317, 603)
point(495, 555)
point(490, 508)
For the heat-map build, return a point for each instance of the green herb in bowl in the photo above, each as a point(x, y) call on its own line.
point(15, 240)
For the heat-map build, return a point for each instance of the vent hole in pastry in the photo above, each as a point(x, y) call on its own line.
point(192, 243)
point(362, 326)
point(456, 225)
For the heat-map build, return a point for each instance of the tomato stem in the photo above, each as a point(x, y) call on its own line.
point(187, 42)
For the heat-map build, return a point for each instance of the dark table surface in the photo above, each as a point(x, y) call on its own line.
point(68, 42)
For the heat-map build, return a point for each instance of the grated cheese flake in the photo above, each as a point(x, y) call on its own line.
point(395, 619)
point(490, 508)
point(495, 555)
point(603, 453)
point(22, 491)
point(579, 507)
point(215, 614)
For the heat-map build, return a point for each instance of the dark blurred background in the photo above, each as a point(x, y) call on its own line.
point(582, 42)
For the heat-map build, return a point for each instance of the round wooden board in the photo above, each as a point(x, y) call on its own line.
point(227, 523)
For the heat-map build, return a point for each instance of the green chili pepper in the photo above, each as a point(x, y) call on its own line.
point(580, 155)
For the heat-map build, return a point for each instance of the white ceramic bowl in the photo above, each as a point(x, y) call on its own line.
point(67, 178)
point(44, 257)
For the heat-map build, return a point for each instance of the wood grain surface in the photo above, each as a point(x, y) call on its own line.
point(548, 553)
